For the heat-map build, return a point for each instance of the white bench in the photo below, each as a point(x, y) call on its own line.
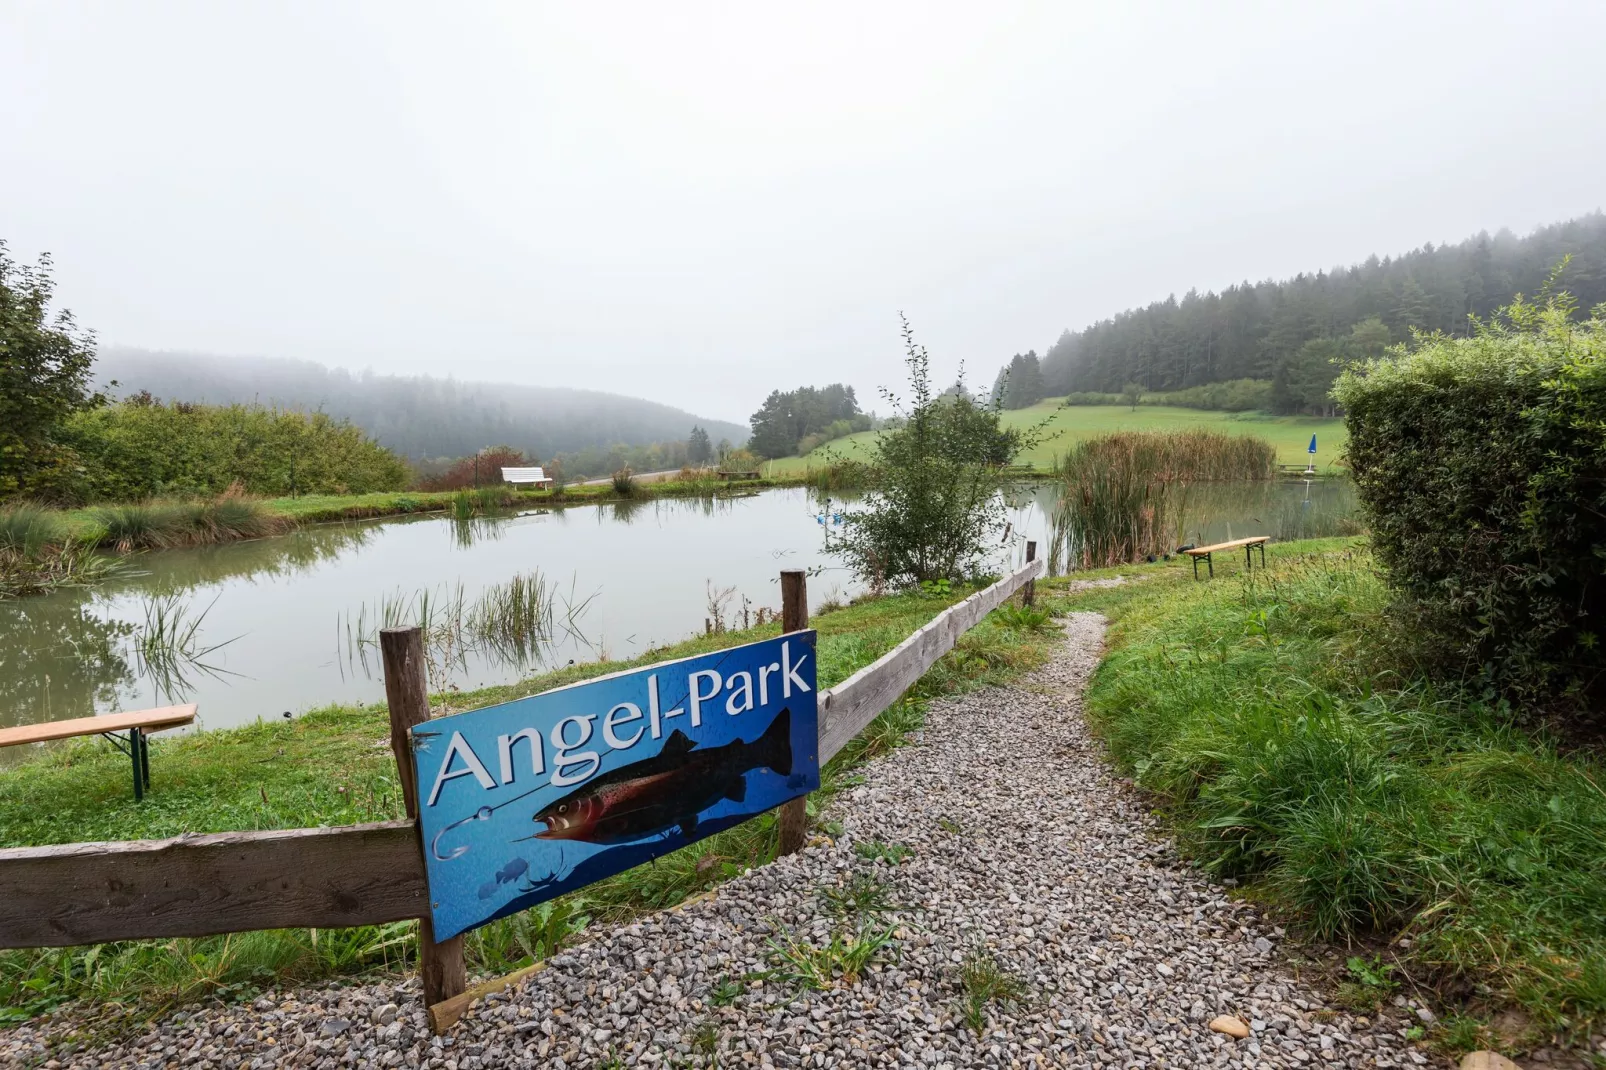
point(536, 476)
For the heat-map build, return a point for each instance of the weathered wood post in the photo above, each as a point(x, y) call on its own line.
point(794, 618)
point(407, 693)
point(1029, 592)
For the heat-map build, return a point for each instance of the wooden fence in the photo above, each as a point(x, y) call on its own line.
point(205, 884)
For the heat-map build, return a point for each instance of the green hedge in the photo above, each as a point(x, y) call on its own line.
point(1481, 464)
point(142, 448)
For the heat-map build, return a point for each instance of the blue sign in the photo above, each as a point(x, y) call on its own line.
point(1312, 445)
point(524, 801)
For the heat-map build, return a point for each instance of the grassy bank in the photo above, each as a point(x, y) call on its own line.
point(321, 508)
point(42, 548)
point(1293, 748)
point(333, 766)
point(1067, 425)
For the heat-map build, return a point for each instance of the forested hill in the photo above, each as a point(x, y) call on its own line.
point(1288, 331)
point(417, 416)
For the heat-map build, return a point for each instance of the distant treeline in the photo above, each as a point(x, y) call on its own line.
point(417, 416)
point(797, 421)
point(1289, 332)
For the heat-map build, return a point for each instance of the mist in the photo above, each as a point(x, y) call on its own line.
point(697, 204)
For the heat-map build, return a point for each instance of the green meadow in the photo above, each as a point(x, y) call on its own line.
point(1059, 427)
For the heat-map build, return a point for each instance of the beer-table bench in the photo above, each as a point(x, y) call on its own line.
point(1249, 544)
point(137, 723)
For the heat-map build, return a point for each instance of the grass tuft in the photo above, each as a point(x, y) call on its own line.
point(984, 982)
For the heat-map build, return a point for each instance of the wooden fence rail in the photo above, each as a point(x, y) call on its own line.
point(202, 885)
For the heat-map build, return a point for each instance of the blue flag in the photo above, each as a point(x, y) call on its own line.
point(1312, 444)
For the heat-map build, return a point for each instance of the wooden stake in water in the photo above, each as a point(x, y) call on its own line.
point(1029, 592)
point(407, 693)
point(794, 618)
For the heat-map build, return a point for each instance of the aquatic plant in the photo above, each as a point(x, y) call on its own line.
point(168, 647)
point(514, 618)
point(624, 483)
point(1126, 493)
point(72, 564)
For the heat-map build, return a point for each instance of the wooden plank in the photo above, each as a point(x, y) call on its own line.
point(199, 885)
point(150, 720)
point(1253, 540)
point(851, 705)
point(445, 1014)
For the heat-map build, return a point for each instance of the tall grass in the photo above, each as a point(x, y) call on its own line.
point(1298, 752)
point(28, 530)
point(624, 483)
point(161, 525)
point(1126, 494)
point(37, 554)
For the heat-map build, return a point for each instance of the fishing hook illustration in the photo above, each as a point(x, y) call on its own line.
point(482, 814)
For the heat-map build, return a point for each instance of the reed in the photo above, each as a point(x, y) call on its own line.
point(169, 646)
point(624, 483)
point(29, 530)
point(514, 619)
point(161, 525)
point(1126, 494)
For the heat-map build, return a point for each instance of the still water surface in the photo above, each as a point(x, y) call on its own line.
point(285, 616)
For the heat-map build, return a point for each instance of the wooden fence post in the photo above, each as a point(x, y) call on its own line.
point(1029, 592)
point(407, 693)
point(794, 618)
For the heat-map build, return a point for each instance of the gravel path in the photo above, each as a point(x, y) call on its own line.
point(1025, 852)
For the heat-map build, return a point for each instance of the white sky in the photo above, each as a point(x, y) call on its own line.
point(699, 203)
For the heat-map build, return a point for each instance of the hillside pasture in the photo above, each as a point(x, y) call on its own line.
point(1062, 427)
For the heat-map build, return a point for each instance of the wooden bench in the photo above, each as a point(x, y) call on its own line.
point(138, 724)
point(1249, 544)
point(536, 476)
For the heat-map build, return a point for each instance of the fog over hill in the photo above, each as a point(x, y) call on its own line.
point(419, 416)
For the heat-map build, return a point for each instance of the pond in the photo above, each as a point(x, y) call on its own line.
point(278, 626)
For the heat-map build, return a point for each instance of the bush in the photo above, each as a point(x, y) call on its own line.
point(1481, 465)
point(624, 483)
point(142, 448)
point(934, 509)
point(483, 469)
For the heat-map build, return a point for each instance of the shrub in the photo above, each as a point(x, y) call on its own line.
point(142, 448)
point(483, 469)
point(934, 508)
point(624, 483)
point(1481, 465)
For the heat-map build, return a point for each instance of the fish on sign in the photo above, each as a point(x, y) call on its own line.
point(526, 800)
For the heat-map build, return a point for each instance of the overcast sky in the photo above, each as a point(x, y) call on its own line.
point(701, 203)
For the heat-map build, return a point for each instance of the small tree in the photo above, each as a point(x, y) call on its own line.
point(698, 449)
point(933, 510)
point(1132, 394)
point(44, 378)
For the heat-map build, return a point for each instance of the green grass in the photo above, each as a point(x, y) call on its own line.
point(333, 766)
point(1290, 435)
point(1296, 749)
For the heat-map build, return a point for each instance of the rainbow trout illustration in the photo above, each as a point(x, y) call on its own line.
point(670, 788)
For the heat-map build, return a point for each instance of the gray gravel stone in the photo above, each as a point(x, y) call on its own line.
point(1021, 846)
